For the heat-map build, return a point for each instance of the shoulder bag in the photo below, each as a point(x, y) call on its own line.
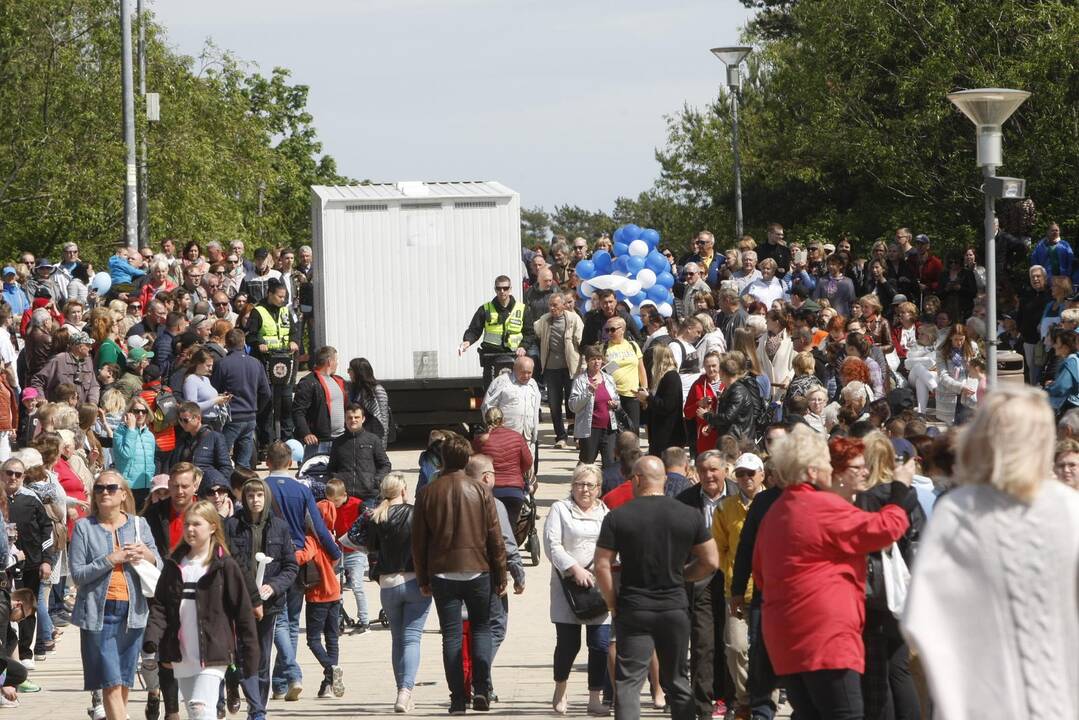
point(586, 603)
point(148, 572)
point(896, 579)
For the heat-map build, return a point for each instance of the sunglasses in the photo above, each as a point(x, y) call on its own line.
point(111, 489)
point(744, 473)
point(612, 328)
point(502, 288)
point(186, 420)
point(140, 411)
point(221, 304)
point(13, 473)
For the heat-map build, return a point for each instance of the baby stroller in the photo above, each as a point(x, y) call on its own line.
point(525, 530)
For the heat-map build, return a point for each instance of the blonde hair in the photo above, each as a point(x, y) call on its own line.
point(113, 401)
point(991, 452)
point(587, 469)
point(64, 417)
point(800, 449)
point(879, 458)
point(662, 362)
point(393, 486)
point(803, 363)
point(128, 506)
point(872, 301)
point(706, 322)
point(206, 510)
point(493, 417)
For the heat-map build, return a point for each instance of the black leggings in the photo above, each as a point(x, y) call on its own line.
point(599, 443)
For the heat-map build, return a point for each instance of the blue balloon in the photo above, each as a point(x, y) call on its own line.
point(657, 293)
point(651, 237)
point(634, 265)
point(665, 280)
point(620, 264)
point(618, 236)
point(601, 260)
point(638, 322)
point(639, 298)
point(656, 262)
point(670, 297)
point(621, 249)
point(630, 233)
point(101, 282)
point(585, 269)
point(619, 295)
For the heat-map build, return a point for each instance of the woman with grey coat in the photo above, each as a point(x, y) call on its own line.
point(594, 401)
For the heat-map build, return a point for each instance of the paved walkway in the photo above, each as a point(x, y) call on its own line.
point(522, 671)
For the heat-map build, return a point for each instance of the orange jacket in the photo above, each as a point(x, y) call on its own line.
point(329, 590)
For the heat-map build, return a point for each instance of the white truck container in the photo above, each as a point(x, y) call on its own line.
point(400, 269)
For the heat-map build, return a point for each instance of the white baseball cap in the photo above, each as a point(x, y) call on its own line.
point(749, 461)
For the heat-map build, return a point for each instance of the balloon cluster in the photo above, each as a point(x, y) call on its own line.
point(635, 269)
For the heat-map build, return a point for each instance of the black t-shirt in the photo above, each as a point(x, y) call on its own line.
point(653, 536)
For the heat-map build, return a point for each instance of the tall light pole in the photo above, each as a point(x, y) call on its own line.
point(144, 217)
point(988, 109)
point(732, 57)
point(131, 220)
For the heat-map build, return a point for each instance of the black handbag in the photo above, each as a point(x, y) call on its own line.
point(586, 603)
point(310, 575)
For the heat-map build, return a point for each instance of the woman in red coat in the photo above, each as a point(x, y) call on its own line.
point(704, 392)
point(512, 461)
point(809, 563)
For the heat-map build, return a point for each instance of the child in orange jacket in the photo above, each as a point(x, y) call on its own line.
point(323, 611)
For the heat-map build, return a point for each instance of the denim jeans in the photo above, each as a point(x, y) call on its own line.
point(450, 596)
point(286, 639)
point(500, 620)
point(568, 644)
point(324, 621)
point(255, 682)
point(240, 438)
point(44, 621)
point(407, 610)
point(355, 564)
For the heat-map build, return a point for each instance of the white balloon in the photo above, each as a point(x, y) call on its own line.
point(635, 309)
point(665, 309)
point(619, 273)
point(587, 305)
point(605, 282)
point(638, 248)
point(647, 278)
point(649, 302)
point(631, 287)
point(587, 288)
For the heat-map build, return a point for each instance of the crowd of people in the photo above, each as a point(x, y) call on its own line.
point(816, 424)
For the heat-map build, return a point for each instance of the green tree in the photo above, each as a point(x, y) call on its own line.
point(535, 226)
point(573, 221)
point(847, 128)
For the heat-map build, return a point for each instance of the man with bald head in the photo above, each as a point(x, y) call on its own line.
point(653, 534)
point(516, 394)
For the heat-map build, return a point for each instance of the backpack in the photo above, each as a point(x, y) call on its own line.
point(166, 410)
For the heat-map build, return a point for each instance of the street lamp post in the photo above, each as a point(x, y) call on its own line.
point(732, 57)
point(988, 109)
point(131, 219)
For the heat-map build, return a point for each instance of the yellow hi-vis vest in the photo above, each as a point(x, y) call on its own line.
point(275, 331)
point(508, 334)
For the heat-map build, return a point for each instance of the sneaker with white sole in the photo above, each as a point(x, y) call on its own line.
point(5, 703)
point(28, 663)
point(338, 682)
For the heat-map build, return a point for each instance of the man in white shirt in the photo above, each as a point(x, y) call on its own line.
point(516, 394)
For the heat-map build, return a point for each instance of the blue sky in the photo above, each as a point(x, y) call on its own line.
point(562, 101)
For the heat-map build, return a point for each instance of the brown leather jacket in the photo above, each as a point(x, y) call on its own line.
point(455, 529)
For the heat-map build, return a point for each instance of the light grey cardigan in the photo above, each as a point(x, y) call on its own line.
point(90, 570)
point(582, 400)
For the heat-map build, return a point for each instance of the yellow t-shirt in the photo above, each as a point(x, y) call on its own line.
point(627, 355)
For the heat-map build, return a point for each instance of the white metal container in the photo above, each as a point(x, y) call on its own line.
point(401, 268)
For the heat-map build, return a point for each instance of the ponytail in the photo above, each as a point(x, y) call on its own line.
point(393, 486)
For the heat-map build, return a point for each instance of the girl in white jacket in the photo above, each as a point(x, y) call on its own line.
point(921, 364)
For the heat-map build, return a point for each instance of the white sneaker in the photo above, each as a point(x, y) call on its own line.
point(28, 664)
point(5, 703)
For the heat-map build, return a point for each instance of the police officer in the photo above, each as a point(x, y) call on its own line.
point(501, 324)
point(273, 339)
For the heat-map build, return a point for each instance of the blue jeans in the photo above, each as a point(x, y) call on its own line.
point(44, 622)
point(255, 682)
point(450, 596)
point(355, 564)
point(240, 437)
point(286, 638)
point(407, 610)
point(324, 620)
point(500, 620)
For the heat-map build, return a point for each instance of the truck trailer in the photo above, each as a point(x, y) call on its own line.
point(400, 269)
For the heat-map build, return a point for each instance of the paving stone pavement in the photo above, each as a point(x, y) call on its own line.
point(522, 670)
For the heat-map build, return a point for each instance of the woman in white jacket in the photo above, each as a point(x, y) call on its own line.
point(775, 353)
point(569, 540)
point(953, 371)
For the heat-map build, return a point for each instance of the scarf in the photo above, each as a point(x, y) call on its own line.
point(258, 529)
point(771, 346)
